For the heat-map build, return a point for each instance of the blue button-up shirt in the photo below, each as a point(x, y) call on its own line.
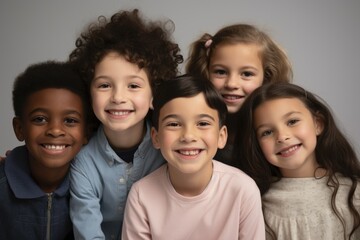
point(26, 212)
point(100, 182)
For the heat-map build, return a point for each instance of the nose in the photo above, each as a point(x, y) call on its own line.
point(232, 81)
point(188, 134)
point(55, 129)
point(282, 136)
point(118, 96)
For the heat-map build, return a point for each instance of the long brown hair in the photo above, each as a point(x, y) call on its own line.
point(333, 151)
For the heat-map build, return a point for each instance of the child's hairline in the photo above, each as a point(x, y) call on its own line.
point(29, 95)
point(146, 69)
point(221, 124)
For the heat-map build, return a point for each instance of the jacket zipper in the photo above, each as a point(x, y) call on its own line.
point(48, 216)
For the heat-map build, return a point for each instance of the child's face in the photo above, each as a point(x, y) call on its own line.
point(121, 93)
point(53, 127)
point(189, 134)
point(287, 133)
point(236, 70)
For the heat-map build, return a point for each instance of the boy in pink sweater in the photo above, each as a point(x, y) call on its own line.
point(192, 196)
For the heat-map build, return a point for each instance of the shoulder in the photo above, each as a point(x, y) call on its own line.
point(96, 148)
point(150, 189)
point(2, 172)
point(153, 179)
point(15, 161)
point(234, 179)
point(151, 185)
point(230, 172)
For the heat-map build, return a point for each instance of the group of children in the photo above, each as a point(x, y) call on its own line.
point(144, 168)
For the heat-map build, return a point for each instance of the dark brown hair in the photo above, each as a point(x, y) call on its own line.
point(147, 44)
point(333, 151)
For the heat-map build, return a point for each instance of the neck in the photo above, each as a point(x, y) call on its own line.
point(309, 169)
point(49, 179)
point(127, 138)
point(190, 184)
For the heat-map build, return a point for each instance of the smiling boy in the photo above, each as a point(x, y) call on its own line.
point(206, 198)
point(51, 110)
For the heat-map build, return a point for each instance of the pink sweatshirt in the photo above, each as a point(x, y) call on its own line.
point(229, 208)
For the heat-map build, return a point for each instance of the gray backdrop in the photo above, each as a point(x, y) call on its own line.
point(321, 38)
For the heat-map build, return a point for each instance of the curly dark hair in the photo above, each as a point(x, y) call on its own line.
point(147, 44)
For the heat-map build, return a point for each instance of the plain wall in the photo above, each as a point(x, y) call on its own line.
point(321, 38)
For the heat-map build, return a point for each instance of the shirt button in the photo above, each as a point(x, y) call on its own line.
point(122, 180)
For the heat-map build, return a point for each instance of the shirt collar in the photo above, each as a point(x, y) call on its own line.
point(18, 174)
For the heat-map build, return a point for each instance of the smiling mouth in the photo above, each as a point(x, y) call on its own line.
point(289, 150)
point(119, 113)
point(189, 152)
point(232, 97)
point(54, 147)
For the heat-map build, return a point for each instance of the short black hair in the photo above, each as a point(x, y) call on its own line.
point(48, 74)
point(187, 86)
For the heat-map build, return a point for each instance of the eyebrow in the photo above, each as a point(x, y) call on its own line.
point(178, 116)
point(67, 111)
point(285, 116)
point(225, 66)
point(128, 77)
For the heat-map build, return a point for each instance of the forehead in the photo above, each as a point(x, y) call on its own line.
point(116, 66)
point(278, 108)
point(54, 99)
point(236, 51)
point(188, 107)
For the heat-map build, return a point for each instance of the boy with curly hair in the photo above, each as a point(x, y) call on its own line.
point(122, 60)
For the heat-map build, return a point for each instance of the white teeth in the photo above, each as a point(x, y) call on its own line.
point(190, 153)
point(54, 147)
point(119, 113)
point(290, 150)
point(231, 97)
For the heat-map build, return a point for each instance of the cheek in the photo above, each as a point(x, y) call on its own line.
point(308, 135)
point(142, 99)
point(95, 98)
point(79, 134)
point(266, 147)
point(218, 84)
point(95, 105)
point(251, 86)
point(167, 139)
point(164, 143)
point(211, 137)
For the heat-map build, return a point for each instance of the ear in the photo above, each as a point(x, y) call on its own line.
point(18, 129)
point(85, 140)
point(151, 103)
point(319, 125)
point(155, 138)
point(223, 135)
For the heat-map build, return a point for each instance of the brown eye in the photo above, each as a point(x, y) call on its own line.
point(133, 86)
point(292, 122)
point(248, 74)
point(38, 120)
